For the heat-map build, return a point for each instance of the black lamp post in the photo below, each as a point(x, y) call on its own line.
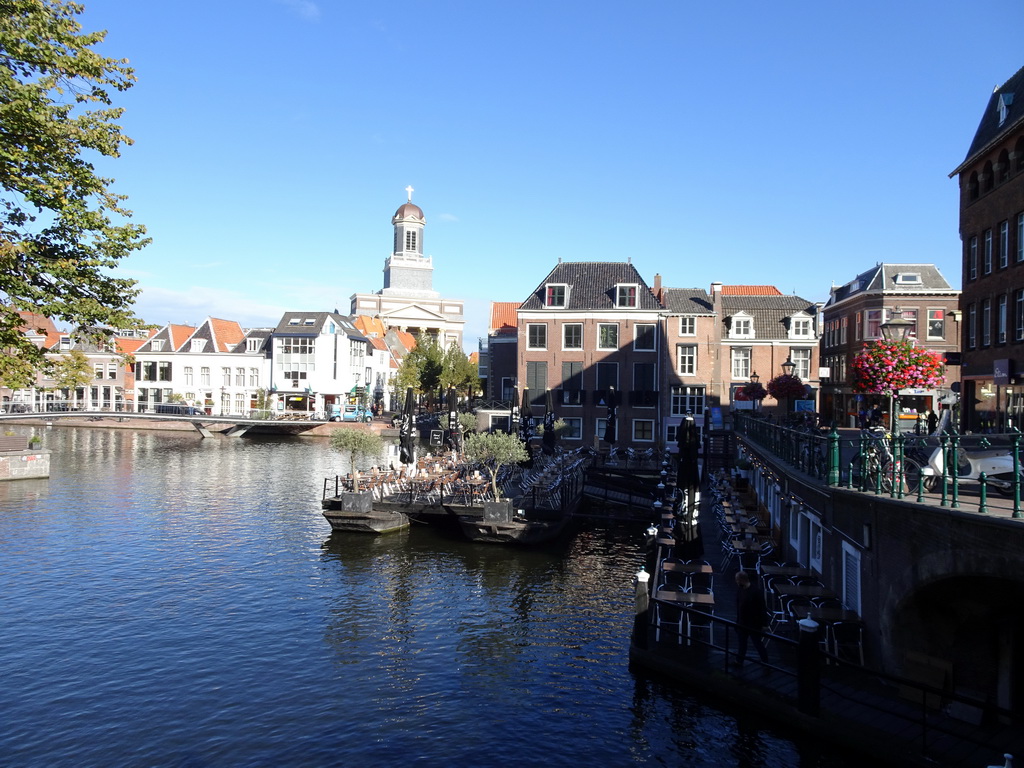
point(754, 379)
point(787, 370)
point(895, 328)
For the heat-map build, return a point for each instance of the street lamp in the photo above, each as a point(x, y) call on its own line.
point(754, 379)
point(788, 366)
point(896, 328)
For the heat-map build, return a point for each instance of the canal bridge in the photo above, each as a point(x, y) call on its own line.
point(206, 426)
point(939, 585)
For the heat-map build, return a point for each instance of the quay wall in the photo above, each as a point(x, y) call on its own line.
point(24, 465)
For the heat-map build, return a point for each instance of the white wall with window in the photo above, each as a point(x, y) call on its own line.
point(741, 326)
point(686, 359)
point(740, 358)
point(801, 357)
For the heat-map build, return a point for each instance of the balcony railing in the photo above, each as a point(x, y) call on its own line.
point(904, 466)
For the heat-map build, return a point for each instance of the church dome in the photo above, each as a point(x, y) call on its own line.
point(408, 211)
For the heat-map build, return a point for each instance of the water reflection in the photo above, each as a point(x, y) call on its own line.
point(182, 600)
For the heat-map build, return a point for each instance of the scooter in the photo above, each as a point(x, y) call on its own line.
point(996, 463)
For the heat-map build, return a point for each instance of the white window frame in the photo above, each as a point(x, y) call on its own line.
point(741, 326)
point(801, 357)
point(600, 326)
point(627, 295)
point(690, 353)
point(565, 327)
point(937, 315)
point(687, 326)
point(529, 336)
point(633, 430)
point(548, 290)
point(575, 428)
point(801, 327)
point(737, 357)
point(654, 337)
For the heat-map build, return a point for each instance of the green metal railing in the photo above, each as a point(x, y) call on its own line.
point(904, 466)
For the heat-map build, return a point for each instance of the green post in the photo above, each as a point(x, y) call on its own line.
point(1016, 473)
point(833, 456)
point(982, 505)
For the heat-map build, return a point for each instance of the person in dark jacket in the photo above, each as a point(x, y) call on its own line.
point(751, 616)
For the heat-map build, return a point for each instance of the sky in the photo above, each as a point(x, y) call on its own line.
point(789, 143)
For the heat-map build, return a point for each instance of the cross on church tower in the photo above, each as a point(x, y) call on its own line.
point(409, 190)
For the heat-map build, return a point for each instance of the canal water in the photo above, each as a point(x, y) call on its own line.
point(174, 601)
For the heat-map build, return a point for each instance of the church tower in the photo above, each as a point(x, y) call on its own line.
point(407, 272)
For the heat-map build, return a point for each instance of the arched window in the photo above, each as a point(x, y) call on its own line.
point(1003, 166)
point(972, 186)
point(987, 177)
point(1018, 153)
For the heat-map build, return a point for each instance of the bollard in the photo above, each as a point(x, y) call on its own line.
point(641, 607)
point(808, 668)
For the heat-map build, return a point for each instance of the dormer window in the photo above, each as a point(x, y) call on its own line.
point(908, 278)
point(294, 321)
point(1003, 105)
point(198, 345)
point(252, 345)
point(555, 295)
point(625, 295)
point(741, 327)
point(157, 345)
point(800, 328)
point(65, 342)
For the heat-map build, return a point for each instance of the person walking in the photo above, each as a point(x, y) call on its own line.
point(751, 616)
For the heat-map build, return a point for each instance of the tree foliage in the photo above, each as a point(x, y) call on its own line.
point(359, 444)
point(421, 368)
point(494, 450)
point(457, 371)
point(72, 370)
point(62, 229)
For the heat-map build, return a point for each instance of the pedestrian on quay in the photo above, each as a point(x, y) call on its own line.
point(751, 617)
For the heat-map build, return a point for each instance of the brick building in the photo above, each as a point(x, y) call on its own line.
point(991, 180)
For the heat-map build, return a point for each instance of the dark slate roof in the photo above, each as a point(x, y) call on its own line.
point(881, 278)
point(263, 334)
point(592, 286)
point(770, 313)
point(989, 130)
point(316, 327)
point(688, 301)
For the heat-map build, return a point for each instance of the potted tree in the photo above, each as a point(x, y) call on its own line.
point(494, 450)
point(360, 445)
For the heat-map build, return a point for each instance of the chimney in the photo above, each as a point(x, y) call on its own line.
point(656, 290)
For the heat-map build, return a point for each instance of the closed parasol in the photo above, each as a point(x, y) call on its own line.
point(549, 426)
point(407, 430)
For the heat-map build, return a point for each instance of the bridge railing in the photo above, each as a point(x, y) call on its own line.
point(904, 466)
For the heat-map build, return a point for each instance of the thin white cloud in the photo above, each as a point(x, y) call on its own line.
point(304, 8)
point(447, 217)
point(160, 306)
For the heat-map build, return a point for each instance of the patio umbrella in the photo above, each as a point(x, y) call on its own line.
point(609, 424)
point(454, 433)
point(549, 426)
point(526, 425)
point(406, 430)
point(688, 480)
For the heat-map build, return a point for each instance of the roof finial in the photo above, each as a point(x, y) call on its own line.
point(409, 190)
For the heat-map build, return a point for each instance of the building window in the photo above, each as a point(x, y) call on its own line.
point(986, 323)
point(625, 296)
point(573, 428)
point(1001, 320)
point(851, 577)
point(225, 377)
point(688, 325)
point(572, 336)
point(686, 359)
point(645, 337)
point(972, 327)
point(842, 330)
point(873, 324)
point(204, 377)
point(740, 363)
point(1018, 315)
point(607, 336)
point(1020, 237)
point(936, 324)
point(536, 336)
point(164, 371)
point(687, 400)
point(554, 296)
point(644, 386)
point(537, 379)
point(188, 376)
point(986, 257)
point(972, 258)
point(572, 383)
point(239, 377)
point(741, 327)
point(252, 345)
point(802, 359)
point(254, 377)
point(111, 370)
point(800, 328)
point(410, 240)
point(643, 430)
point(857, 328)
point(1004, 244)
point(607, 377)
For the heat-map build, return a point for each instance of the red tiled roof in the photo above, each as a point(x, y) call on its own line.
point(128, 346)
point(406, 339)
point(750, 290)
point(179, 333)
point(227, 334)
point(377, 343)
point(42, 325)
point(503, 317)
point(474, 358)
point(370, 326)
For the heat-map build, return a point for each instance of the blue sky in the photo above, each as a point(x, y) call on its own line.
point(789, 143)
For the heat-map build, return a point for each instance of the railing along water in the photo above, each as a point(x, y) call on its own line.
point(876, 461)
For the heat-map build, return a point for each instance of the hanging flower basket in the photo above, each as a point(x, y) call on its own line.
point(754, 391)
point(886, 367)
point(786, 387)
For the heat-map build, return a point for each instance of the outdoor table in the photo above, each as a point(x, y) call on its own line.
point(747, 545)
point(665, 542)
point(678, 566)
point(743, 530)
point(689, 598)
point(785, 570)
point(825, 614)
